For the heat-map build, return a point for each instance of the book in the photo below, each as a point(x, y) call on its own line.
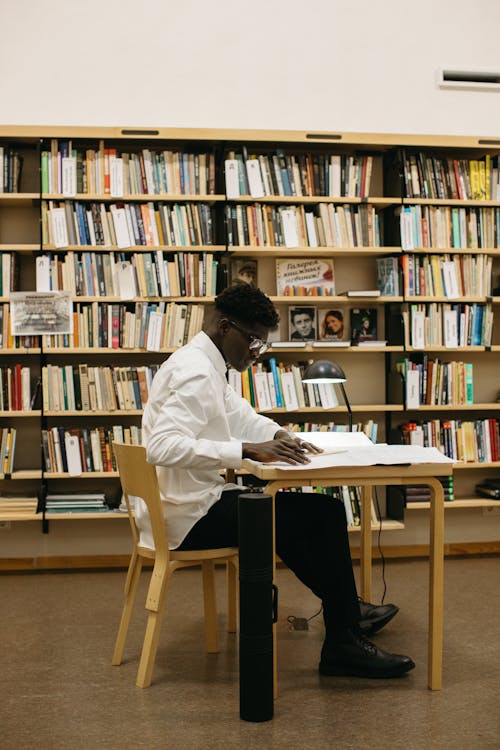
point(305, 277)
point(363, 293)
point(244, 270)
point(302, 323)
point(332, 326)
point(363, 325)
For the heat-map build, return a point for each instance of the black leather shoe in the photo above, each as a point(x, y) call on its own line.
point(356, 656)
point(374, 617)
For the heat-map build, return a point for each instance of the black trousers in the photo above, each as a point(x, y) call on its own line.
point(311, 539)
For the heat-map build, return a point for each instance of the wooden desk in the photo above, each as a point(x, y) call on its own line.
point(368, 477)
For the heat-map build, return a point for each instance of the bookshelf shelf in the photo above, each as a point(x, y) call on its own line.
point(136, 249)
point(388, 524)
point(34, 413)
point(104, 350)
point(83, 475)
point(450, 202)
point(18, 199)
point(469, 465)
point(108, 413)
point(449, 300)
point(144, 198)
point(495, 251)
point(23, 474)
point(21, 352)
point(334, 300)
point(360, 408)
point(470, 502)
point(20, 247)
point(273, 251)
point(85, 516)
point(454, 407)
point(312, 199)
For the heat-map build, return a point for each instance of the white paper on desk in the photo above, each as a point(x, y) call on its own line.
point(339, 439)
point(370, 455)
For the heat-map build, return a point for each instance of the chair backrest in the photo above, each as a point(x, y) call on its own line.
point(140, 479)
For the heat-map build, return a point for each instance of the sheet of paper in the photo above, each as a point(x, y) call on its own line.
point(339, 439)
point(370, 455)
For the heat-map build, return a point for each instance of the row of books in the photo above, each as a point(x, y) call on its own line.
point(86, 388)
point(349, 495)
point(428, 176)
point(15, 388)
point(100, 274)
point(142, 325)
point(436, 382)
point(7, 340)
point(370, 428)
point(85, 450)
point(282, 173)
point(76, 502)
point(453, 326)
point(7, 450)
point(445, 226)
point(471, 441)
point(109, 171)
point(125, 225)
point(398, 497)
point(272, 385)
point(447, 275)
point(327, 225)
point(11, 166)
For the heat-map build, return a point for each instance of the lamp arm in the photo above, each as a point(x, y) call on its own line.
point(348, 406)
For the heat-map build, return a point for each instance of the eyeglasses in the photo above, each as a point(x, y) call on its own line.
point(255, 344)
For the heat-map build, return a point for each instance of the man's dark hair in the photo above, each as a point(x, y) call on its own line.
point(248, 304)
point(303, 311)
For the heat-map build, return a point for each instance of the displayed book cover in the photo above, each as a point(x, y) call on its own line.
point(363, 324)
point(332, 325)
point(302, 323)
point(244, 269)
point(305, 277)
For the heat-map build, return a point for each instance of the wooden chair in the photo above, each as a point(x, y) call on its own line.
point(139, 478)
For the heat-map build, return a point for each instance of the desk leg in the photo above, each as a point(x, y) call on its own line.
point(436, 572)
point(272, 488)
point(365, 550)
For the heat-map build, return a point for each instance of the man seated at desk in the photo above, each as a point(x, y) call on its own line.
point(195, 424)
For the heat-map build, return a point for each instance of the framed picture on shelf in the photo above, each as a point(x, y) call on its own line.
point(244, 269)
point(363, 325)
point(332, 325)
point(302, 323)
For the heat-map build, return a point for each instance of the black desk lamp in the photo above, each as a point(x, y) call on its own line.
point(325, 371)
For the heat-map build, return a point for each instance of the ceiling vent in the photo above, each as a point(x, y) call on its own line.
point(473, 80)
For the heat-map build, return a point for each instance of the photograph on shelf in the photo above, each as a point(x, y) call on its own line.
point(363, 325)
point(305, 277)
point(35, 313)
point(332, 325)
point(302, 323)
point(245, 270)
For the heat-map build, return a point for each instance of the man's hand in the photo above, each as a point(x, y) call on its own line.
point(282, 448)
point(309, 447)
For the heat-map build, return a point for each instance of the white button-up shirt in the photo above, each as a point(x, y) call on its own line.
point(193, 426)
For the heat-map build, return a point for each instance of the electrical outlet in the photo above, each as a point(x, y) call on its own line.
point(492, 510)
point(4, 525)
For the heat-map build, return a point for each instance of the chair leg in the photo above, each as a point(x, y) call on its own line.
point(232, 596)
point(132, 581)
point(153, 627)
point(210, 605)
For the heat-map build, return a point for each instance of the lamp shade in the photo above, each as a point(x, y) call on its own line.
point(324, 371)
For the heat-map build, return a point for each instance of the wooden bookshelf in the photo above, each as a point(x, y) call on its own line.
point(355, 268)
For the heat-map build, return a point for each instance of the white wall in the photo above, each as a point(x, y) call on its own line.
point(327, 65)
